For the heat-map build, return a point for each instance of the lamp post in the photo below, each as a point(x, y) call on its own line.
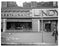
point(42, 26)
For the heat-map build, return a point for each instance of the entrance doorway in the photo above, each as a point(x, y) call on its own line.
point(48, 27)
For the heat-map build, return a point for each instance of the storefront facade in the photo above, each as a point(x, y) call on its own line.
point(47, 16)
point(29, 25)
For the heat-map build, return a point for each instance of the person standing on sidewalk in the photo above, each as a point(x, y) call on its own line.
point(55, 33)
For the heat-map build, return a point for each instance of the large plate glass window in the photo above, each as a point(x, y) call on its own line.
point(19, 26)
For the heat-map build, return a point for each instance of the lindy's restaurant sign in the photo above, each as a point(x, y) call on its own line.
point(46, 12)
point(37, 12)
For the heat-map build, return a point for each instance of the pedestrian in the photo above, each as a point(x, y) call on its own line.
point(55, 33)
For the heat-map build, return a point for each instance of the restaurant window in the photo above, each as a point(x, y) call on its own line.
point(19, 26)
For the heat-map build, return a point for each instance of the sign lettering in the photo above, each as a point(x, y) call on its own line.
point(46, 13)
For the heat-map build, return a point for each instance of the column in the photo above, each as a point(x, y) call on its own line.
point(35, 25)
point(38, 25)
point(4, 25)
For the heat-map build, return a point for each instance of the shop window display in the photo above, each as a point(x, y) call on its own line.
point(19, 25)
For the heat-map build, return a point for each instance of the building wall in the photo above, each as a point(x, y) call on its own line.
point(3, 4)
point(8, 4)
point(35, 24)
point(40, 4)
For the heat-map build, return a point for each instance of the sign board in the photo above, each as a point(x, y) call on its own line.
point(16, 13)
point(30, 13)
point(45, 12)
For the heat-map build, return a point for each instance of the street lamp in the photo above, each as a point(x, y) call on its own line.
point(42, 26)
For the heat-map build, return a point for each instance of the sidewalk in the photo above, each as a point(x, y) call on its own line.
point(48, 38)
point(34, 39)
point(33, 44)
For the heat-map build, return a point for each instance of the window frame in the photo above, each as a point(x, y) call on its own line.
point(18, 20)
